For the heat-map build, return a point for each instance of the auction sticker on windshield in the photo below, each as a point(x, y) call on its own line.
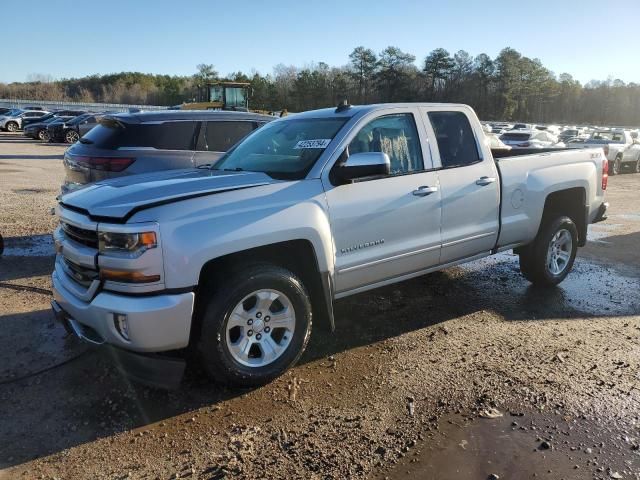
point(317, 143)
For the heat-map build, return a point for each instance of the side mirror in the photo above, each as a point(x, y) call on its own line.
point(364, 164)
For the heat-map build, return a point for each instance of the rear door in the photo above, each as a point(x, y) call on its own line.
point(386, 227)
point(216, 137)
point(469, 184)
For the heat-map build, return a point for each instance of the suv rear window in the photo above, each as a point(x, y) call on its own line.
point(515, 136)
point(162, 136)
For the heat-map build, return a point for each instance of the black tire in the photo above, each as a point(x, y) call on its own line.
point(213, 347)
point(533, 258)
point(42, 135)
point(614, 168)
point(71, 136)
point(1, 244)
point(12, 127)
point(637, 167)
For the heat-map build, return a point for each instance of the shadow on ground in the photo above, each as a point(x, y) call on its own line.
point(87, 398)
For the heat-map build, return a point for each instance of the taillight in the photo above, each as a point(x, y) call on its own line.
point(605, 173)
point(107, 164)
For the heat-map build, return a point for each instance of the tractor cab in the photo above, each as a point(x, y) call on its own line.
point(221, 96)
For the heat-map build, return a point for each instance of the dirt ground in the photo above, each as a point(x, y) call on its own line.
point(461, 374)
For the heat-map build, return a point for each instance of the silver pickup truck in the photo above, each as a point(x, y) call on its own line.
point(234, 262)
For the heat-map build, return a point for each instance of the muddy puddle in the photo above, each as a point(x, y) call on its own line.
point(590, 288)
point(521, 445)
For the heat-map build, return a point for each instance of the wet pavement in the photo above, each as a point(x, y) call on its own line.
point(402, 386)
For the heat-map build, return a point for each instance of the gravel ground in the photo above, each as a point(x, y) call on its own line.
point(456, 375)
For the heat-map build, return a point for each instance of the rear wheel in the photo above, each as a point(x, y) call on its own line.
point(255, 326)
point(43, 135)
point(71, 136)
point(637, 166)
point(12, 127)
point(549, 259)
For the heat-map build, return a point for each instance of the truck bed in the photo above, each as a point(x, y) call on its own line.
point(527, 176)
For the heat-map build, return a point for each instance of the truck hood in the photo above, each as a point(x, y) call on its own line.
point(118, 199)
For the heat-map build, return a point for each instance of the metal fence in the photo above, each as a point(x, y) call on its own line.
point(63, 105)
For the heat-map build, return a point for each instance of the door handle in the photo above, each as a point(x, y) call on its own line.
point(485, 181)
point(423, 191)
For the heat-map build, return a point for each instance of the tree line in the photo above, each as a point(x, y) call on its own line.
point(510, 86)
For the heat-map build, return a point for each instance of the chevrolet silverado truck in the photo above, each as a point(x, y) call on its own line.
point(230, 264)
point(621, 149)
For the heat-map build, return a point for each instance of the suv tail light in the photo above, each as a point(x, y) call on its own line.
point(605, 173)
point(107, 164)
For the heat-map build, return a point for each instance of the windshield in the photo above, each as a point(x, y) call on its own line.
point(607, 137)
point(286, 149)
point(78, 119)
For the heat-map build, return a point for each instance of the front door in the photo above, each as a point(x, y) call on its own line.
point(390, 226)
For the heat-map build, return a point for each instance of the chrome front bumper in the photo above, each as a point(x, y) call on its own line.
point(156, 323)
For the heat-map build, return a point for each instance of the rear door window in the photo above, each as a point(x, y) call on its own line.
point(221, 136)
point(456, 141)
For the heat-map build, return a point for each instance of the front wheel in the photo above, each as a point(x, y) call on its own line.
point(549, 259)
point(614, 169)
point(12, 127)
point(43, 135)
point(71, 136)
point(637, 167)
point(255, 326)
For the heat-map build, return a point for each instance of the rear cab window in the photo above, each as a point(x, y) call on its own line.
point(456, 141)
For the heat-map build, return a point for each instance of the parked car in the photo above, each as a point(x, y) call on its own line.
point(531, 139)
point(39, 131)
point(522, 126)
point(618, 146)
point(59, 113)
point(127, 144)
point(570, 133)
point(72, 130)
point(494, 142)
point(12, 121)
point(499, 128)
point(233, 262)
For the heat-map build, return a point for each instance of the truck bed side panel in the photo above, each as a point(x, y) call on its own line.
point(529, 179)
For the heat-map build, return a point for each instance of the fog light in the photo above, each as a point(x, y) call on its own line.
point(122, 325)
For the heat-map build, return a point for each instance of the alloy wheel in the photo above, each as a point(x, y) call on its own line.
point(260, 328)
point(559, 252)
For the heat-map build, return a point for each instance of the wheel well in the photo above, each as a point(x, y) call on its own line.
point(572, 203)
point(297, 256)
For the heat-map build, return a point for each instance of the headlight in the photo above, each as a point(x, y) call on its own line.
point(129, 244)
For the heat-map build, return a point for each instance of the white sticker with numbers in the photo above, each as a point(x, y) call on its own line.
point(317, 143)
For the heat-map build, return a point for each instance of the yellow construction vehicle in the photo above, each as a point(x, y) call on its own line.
point(225, 95)
point(221, 96)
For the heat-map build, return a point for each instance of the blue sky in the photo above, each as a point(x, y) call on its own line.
point(68, 38)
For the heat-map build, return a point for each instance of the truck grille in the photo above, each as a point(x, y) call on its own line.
point(84, 276)
point(81, 235)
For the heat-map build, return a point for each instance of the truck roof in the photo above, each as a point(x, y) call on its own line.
point(353, 110)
